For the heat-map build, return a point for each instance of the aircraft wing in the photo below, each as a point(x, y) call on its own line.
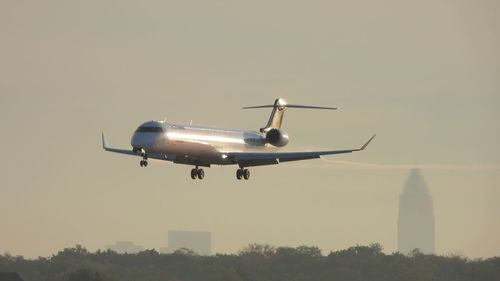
point(130, 152)
point(248, 159)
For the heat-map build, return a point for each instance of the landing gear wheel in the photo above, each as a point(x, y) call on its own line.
point(239, 174)
point(201, 174)
point(246, 174)
point(143, 163)
point(194, 173)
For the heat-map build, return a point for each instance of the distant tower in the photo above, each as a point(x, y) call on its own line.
point(416, 216)
point(198, 241)
point(125, 247)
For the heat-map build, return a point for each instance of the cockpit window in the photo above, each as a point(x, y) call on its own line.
point(149, 129)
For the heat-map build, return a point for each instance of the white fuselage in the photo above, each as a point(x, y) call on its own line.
point(200, 143)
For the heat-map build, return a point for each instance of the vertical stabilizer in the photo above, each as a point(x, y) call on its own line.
point(276, 117)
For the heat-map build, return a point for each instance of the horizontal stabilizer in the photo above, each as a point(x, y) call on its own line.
point(290, 106)
point(279, 107)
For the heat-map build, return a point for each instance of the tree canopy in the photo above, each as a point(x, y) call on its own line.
point(254, 262)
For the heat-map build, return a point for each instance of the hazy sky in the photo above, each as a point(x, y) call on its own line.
point(423, 75)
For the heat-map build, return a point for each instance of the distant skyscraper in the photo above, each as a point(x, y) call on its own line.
point(200, 242)
point(416, 216)
point(125, 247)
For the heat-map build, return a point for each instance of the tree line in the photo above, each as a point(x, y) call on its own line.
point(256, 262)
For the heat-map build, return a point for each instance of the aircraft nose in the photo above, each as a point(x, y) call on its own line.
point(135, 141)
point(139, 140)
point(145, 140)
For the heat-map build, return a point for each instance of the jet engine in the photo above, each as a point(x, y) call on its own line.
point(277, 137)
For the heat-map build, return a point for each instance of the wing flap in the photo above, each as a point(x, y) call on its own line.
point(259, 162)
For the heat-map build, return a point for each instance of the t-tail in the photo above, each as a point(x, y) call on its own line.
point(279, 108)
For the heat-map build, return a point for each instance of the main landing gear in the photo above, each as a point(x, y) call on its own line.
point(197, 173)
point(242, 173)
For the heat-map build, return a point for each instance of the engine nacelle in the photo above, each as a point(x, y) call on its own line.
point(277, 137)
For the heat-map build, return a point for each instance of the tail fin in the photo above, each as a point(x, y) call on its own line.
point(279, 108)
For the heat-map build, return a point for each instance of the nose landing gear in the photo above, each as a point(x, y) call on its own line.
point(197, 173)
point(242, 174)
point(144, 161)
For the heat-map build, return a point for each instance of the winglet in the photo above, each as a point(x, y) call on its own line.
point(366, 144)
point(104, 143)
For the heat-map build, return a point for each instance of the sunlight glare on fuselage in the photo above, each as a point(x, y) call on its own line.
point(197, 137)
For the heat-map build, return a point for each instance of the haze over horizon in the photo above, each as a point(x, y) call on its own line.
point(423, 76)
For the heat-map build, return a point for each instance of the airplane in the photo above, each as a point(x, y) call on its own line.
point(202, 146)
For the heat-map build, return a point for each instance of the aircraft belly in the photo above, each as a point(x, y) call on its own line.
point(193, 150)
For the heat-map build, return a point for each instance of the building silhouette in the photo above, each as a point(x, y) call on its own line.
point(416, 226)
point(198, 241)
point(122, 247)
